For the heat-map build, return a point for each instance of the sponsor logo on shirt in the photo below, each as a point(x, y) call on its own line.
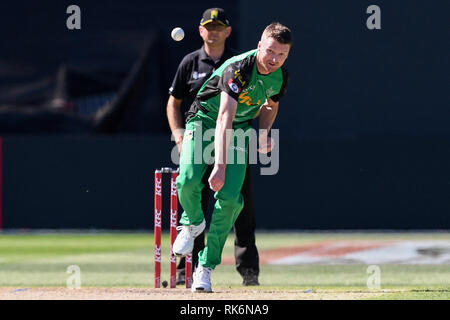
point(233, 86)
point(196, 75)
point(250, 88)
point(238, 76)
point(244, 98)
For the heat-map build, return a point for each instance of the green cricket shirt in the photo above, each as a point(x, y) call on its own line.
point(239, 77)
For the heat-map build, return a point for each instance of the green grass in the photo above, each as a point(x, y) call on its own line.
point(126, 260)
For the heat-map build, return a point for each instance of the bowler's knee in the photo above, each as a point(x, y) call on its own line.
point(230, 198)
point(188, 183)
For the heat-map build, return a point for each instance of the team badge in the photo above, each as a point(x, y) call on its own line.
point(270, 92)
point(233, 86)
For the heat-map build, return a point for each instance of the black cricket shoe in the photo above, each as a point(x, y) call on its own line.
point(250, 278)
point(181, 279)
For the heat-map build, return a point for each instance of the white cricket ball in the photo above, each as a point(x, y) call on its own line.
point(177, 34)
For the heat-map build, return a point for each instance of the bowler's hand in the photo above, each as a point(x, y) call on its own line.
point(266, 145)
point(217, 178)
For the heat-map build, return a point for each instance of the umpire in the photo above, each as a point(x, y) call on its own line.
point(193, 71)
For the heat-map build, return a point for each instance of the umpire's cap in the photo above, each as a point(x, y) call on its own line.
point(215, 15)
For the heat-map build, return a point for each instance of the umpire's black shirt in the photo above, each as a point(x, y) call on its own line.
point(193, 71)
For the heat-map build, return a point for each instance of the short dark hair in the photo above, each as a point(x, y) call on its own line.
point(279, 32)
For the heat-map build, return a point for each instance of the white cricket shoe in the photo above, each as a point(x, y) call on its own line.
point(184, 243)
point(202, 280)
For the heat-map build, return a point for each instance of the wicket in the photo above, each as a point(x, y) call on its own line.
point(173, 230)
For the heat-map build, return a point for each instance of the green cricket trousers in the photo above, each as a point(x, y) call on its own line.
point(197, 153)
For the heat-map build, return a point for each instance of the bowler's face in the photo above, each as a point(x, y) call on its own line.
point(271, 54)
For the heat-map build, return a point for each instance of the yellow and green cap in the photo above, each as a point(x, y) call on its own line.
point(214, 15)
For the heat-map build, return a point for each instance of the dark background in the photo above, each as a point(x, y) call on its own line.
point(365, 140)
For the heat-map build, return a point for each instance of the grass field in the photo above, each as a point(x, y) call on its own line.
point(125, 260)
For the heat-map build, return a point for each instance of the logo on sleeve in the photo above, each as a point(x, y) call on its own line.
point(233, 86)
point(244, 98)
point(238, 76)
